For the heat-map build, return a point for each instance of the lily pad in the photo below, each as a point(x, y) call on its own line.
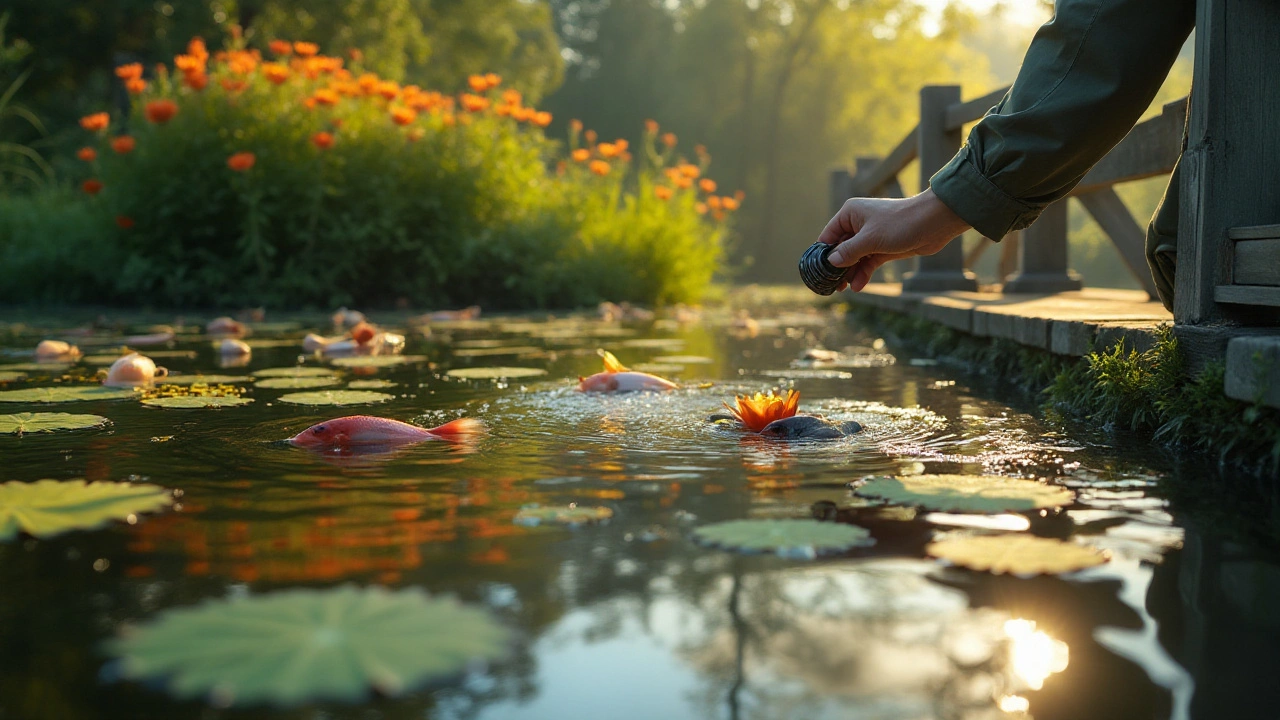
point(295, 646)
point(193, 402)
point(371, 384)
point(296, 383)
point(51, 368)
point(654, 343)
point(336, 397)
point(7, 376)
point(966, 493)
point(1016, 553)
point(23, 423)
point(45, 508)
point(298, 371)
point(788, 538)
point(205, 379)
point(684, 359)
point(495, 373)
point(496, 351)
point(378, 361)
point(103, 358)
point(66, 393)
point(533, 515)
point(803, 374)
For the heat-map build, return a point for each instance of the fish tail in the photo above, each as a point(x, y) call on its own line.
point(611, 364)
point(459, 429)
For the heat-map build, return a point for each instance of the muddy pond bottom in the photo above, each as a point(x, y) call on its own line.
point(579, 560)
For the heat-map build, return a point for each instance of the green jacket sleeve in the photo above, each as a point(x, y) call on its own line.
point(1088, 76)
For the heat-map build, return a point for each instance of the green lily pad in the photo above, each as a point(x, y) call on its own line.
point(1016, 553)
point(802, 374)
point(45, 508)
point(496, 351)
point(378, 361)
point(66, 393)
point(193, 402)
point(495, 373)
point(6, 376)
point(23, 423)
point(371, 384)
point(295, 646)
point(205, 379)
point(336, 397)
point(298, 371)
point(654, 343)
point(788, 538)
point(966, 493)
point(534, 515)
point(51, 368)
point(684, 359)
point(296, 383)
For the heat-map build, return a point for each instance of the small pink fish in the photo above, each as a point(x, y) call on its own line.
point(617, 378)
point(366, 430)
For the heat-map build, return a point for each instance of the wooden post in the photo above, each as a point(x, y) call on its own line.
point(1042, 265)
point(841, 189)
point(936, 146)
point(1109, 211)
point(867, 163)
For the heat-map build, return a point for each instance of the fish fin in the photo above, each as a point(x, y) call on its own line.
point(460, 429)
point(611, 363)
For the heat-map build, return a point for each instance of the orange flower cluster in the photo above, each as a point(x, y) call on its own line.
point(194, 65)
point(160, 111)
point(96, 122)
point(131, 74)
point(482, 83)
point(758, 411)
point(322, 140)
point(123, 145)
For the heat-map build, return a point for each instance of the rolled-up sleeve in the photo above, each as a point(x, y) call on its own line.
point(1088, 76)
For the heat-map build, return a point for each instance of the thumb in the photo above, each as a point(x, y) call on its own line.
point(849, 252)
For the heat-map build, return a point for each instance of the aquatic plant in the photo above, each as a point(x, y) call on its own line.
point(755, 412)
point(1016, 553)
point(42, 422)
point(788, 538)
point(966, 493)
point(45, 508)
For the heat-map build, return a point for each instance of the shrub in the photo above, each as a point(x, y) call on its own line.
point(305, 182)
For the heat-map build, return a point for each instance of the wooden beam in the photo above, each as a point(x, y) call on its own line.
point(1109, 211)
point(874, 181)
point(1256, 262)
point(1151, 148)
point(970, 110)
point(1247, 295)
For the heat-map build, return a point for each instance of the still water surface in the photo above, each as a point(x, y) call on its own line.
point(630, 618)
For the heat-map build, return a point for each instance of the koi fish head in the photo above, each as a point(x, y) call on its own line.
point(600, 382)
point(331, 433)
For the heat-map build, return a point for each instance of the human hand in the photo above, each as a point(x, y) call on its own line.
point(870, 232)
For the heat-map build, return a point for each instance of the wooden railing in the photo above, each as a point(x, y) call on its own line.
point(1150, 149)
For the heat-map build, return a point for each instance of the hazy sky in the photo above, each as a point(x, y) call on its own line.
point(1023, 12)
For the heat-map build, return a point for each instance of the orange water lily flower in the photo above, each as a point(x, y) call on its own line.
point(95, 122)
point(707, 185)
point(87, 154)
point(579, 155)
point(322, 140)
point(280, 47)
point(306, 49)
point(135, 86)
point(91, 186)
point(242, 161)
point(160, 111)
point(663, 192)
point(599, 167)
point(758, 411)
point(130, 71)
point(669, 139)
point(123, 145)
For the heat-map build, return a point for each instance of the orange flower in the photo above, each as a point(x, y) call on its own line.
point(87, 154)
point(651, 127)
point(196, 81)
point(683, 182)
point(474, 103)
point(241, 161)
point(275, 72)
point(590, 136)
point(403, 115)
point(355, 54)
point(717, 215)
point(388, 90)
point(523, 114)
point(306, 49)
point(135, 86)
point(478, 83)
point(740, 195)
point(607, 150)
point(701, 208)
point(322, 140)
point(493, 79)
point(669, 139)
point(575, 125)
point(757, 412)
point(542, 118)
point(91, 186)
point(280, 47)
point(123, 145)
point(131, 71)
point(729, 203)
point(325, 96)
point(95, 122)
point(124, 222)
point(622, 145)
point(512, 96)
point(714, 202)
point(707, 185)
point(233, 85)
point(579, 155)
point(196, 49)
point(663, 192)
point(689, 171)
point(599, 167)
point(160, 111)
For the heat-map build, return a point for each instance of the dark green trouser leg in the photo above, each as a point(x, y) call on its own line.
point(1162, 239)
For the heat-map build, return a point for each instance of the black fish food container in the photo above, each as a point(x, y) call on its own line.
point(817, 272)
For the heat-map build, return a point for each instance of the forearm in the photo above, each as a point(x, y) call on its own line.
point(1088, 76)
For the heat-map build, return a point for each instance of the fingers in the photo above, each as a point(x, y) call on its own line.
point(851, 251)
point(843, 226)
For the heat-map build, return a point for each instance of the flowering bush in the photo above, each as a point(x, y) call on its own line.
point(297, 179)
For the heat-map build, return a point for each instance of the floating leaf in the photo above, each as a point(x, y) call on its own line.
point(263, 344)
point(495, 373)
point(336, 397)
point(654, 343)
point(1016, 553)
point(533, 515)
point(801, 374)
point(296, 383)
point(46, 508)
point(23, 423)
point(7, 376)
point(295, 646)
point(788, 538)
point(378, 361)
point(66, 393)
point(966, 493)
point(52, 368)
point(495, 351)
point(205, 379)
point(192, 402)
point(371, 384)
point(684, 359)
point(298, 371)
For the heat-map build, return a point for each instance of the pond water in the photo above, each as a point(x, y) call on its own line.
point(630, 617)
